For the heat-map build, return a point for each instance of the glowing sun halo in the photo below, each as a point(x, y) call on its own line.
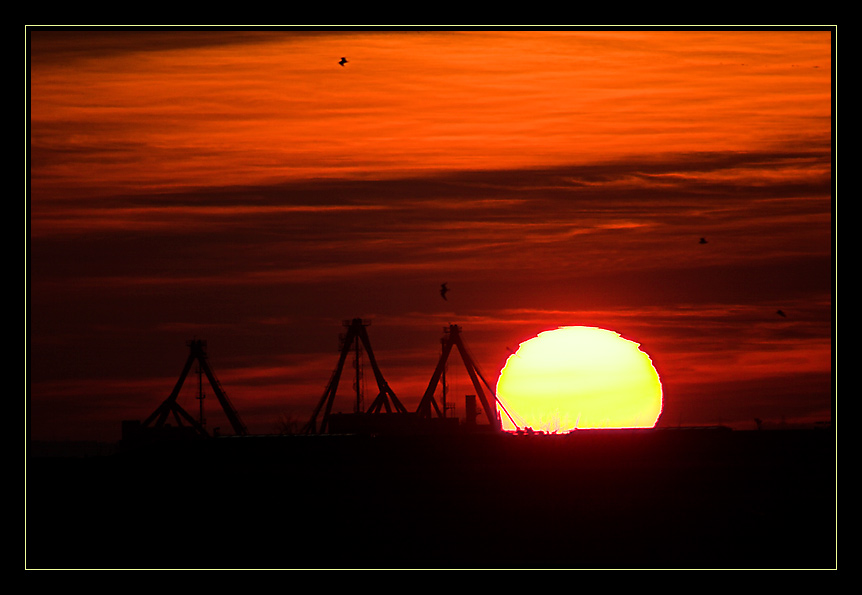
point(578, 377)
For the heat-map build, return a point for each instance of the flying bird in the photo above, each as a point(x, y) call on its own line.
point(782, 314)
point(702, 241)
point(443, 290)
point(343, 61)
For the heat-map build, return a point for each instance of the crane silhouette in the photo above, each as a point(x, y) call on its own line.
point(443, 291)
point(343, 61)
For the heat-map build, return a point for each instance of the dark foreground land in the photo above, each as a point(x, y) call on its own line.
point(613, 499)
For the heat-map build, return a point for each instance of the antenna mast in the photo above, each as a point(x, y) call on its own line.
point(357, 364)
point(201, 395)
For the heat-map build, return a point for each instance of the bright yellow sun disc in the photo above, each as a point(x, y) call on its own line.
point(578, 377)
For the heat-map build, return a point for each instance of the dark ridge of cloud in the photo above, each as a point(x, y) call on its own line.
point(588, 180)
point(67, 44)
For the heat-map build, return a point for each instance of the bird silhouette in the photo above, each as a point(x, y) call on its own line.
point(343, 61)
point(702, 241)
point(780, 313)
point(443, 290)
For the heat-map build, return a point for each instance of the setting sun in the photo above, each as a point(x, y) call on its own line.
point(579, 378)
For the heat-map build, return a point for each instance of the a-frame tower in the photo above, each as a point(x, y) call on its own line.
point(385, 400)
point(170, 406)
point(428, 406)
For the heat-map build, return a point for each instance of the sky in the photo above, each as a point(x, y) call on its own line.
point(244, 188)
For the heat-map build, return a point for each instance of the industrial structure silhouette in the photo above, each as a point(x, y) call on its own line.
point(385, 415)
